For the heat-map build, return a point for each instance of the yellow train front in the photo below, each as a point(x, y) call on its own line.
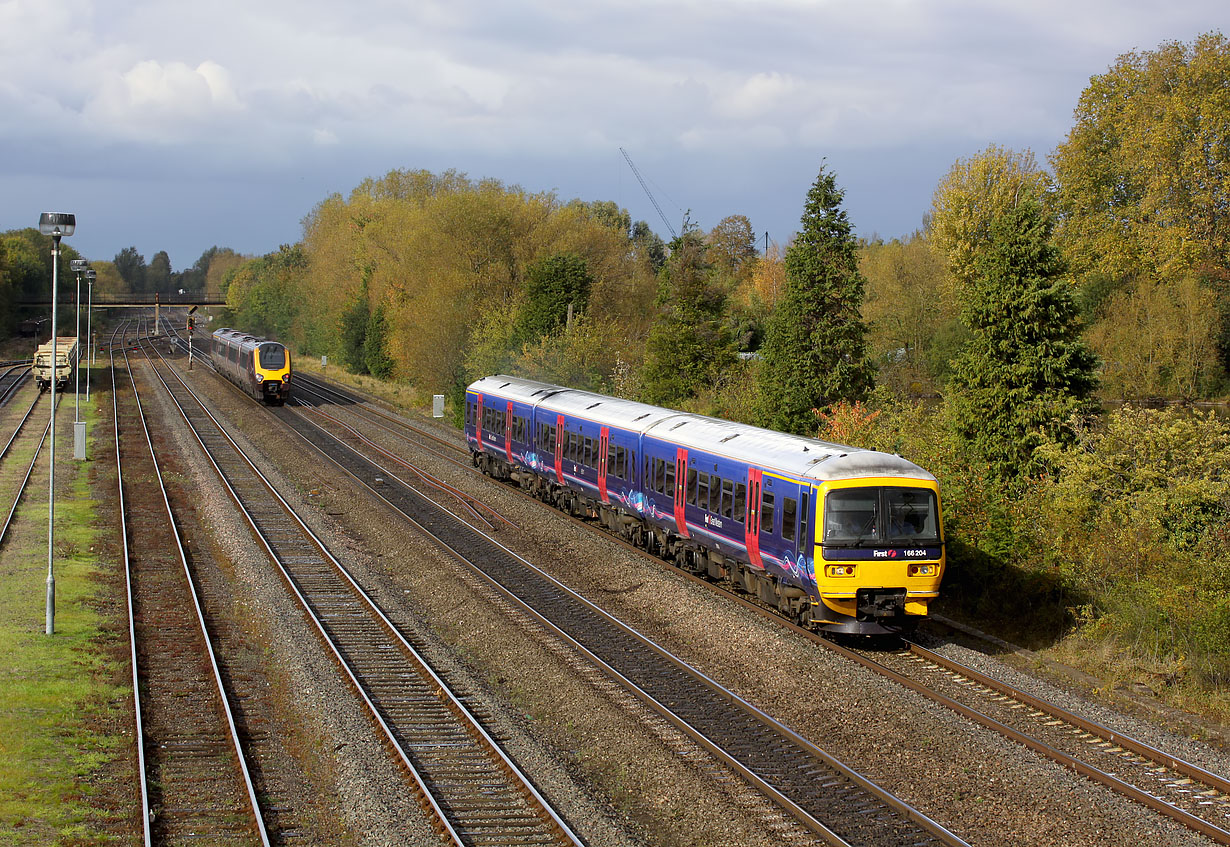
point(879, 553)
point(259, 366)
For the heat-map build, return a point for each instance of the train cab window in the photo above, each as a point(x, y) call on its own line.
point(272, 356)
point(740, 503)
point(790, 513)
point(766, 512)
point(728, 498)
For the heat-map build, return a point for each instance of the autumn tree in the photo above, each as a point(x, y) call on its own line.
point(1156, 340)
point(1025, 373)
point(910, 313)
point(732, 246)
point(815, 350)
point(1143, 181)
point(975, 194)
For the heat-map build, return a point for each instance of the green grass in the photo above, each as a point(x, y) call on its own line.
point(62, 697)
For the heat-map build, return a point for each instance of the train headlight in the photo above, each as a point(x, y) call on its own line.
point(839, 570)
point(922, 570)
point(286, 377)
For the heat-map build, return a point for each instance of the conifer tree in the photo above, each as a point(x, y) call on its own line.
point(551, 286)
point(689, 345)
point(815, 350)
point(1025, 372)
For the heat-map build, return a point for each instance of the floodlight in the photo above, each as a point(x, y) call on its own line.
point(91, 274)
point(57, 224)
point(78, 265)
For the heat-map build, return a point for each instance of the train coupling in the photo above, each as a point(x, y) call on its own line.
point(880, 603)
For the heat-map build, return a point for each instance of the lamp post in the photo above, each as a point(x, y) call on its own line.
point(57, 225)
point(78, 266)
point(90, 275)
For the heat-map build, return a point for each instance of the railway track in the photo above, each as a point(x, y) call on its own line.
point(831, 800)
point(194, 777)
point(1180, 790)
point(13, 376)
point(473, 790)
point(12, 479)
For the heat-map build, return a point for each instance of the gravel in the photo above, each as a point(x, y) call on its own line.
point(620, 775)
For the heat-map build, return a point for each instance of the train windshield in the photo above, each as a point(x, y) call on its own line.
point(876, 517)
point(272, 356)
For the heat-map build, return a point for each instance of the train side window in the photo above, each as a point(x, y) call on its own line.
point(766, 512)
point(630, 465)
point(728, 497)
point(668, 484)
point(692, 483)
point(590, 460)
point(702, 491)
point(613, 456)
point(790, 509)
point(740, 503)
point(659, 475)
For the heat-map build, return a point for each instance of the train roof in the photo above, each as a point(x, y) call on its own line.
point(791, 454)
point(240, 337)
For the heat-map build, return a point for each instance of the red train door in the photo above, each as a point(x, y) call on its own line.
point(681, 487)
point(508, 427)
point(752, 524)
point(604, 446)
point(478, 423)
point(559, 449)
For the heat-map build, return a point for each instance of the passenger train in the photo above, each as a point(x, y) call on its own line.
point(836, 538)
point(259, 367)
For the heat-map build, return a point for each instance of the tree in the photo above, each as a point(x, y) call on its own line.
point(815, 350)
point(732, 245)
point(158, 272)
point(909, 311)
point(1143, 180)
point(649, 245)
point(131, 267)
point(1025, 373)
point(376, 356)
point(1157, 340)
point(553, 285)
point(975, 194)
point(689, 345)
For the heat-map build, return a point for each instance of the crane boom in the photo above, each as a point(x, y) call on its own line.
point(648, 193)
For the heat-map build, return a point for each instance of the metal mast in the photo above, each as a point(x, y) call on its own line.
point(648, 193)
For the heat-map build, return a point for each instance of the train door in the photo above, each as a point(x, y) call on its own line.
point(560, 434)
point(807, 547)
point(681, 484)
point(752, 527)
point(604, 447)
point(508, 431)
point(478, 422)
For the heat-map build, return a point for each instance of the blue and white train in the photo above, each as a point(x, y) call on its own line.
point(834, 537)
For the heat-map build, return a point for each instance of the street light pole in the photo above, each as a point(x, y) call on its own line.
point(57, 225)
point(90, 275)
point(78, 265)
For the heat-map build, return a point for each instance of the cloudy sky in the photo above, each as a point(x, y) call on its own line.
point(174, 125)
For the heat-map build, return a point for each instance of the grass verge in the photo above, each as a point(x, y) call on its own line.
point(63, 735)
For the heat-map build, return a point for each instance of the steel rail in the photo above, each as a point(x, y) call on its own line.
point(227, 711)
point(924, 823)
point(139, 732)
point(21, 488)
point(454, 703)
point(471, 504)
